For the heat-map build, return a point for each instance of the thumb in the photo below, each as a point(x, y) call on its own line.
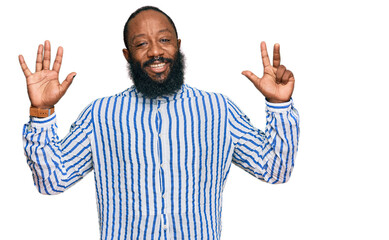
point(67, 82)
point(251, 76)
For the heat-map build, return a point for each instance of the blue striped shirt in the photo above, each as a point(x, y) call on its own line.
point(160, 165)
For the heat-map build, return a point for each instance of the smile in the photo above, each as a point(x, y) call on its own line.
point(159, 65)
point(158, 68)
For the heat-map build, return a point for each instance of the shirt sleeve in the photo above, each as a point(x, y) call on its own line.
point(58, 164)
point(269, 155)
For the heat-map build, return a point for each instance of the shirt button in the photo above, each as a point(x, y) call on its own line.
point(165, 227)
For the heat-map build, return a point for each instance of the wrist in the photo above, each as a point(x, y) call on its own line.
point(41, 112)
point(276, 101)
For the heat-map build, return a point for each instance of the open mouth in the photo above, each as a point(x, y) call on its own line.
point(158, 67)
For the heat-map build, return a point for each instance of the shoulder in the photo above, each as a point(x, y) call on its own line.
point(108, 103)
point(220, 99)
point(118, 96)
point(195, 92)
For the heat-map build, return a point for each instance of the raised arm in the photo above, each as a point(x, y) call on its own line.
point(55, 164)
point(43, 86)
point(268, 155)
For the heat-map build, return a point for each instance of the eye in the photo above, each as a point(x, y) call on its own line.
point(165, 40)
point(140, 44)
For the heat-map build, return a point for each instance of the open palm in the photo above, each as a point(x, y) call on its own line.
point(43, 86)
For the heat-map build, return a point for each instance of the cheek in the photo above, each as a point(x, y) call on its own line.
point(171, 50)
point(138, 56)
point(141, 55)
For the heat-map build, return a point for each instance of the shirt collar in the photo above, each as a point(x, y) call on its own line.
point(164, 98)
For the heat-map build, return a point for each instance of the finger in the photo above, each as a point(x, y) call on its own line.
point(280, 72)
point(251, 76)
point(47, 56)
point(288, 75)
point(39, 58)
point(58, 60)
point(276, 55)
point(265, 56)
point(66, 83)
point(25, 69)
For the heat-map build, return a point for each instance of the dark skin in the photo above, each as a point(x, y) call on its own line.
point(43, 86)
point(277, 83)
point(150, 35)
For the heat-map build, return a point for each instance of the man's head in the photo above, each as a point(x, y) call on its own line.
point(152, 50)
point(139, 10)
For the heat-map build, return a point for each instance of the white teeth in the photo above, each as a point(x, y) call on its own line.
point(160, 65)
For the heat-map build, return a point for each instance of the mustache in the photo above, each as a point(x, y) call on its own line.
point(159, 59)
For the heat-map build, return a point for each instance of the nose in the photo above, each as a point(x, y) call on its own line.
point(154, 50)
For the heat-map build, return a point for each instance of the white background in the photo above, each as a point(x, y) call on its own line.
point(337, 50)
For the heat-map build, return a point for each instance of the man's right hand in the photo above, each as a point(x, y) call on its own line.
point(44, 89)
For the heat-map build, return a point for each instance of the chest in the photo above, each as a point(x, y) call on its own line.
point(180, 133)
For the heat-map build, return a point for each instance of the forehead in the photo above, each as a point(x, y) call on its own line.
point(148, 22)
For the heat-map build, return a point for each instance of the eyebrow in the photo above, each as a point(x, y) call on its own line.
point(160, 31)
point(164, 30)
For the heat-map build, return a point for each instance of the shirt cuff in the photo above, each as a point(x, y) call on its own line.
point(279, 107)
point(43, 122)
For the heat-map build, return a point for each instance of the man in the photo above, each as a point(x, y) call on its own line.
point(161, 150)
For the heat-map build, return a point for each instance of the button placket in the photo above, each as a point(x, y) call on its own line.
point(160, 114)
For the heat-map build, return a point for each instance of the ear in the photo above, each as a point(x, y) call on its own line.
point(179, 43)
point(126, 53)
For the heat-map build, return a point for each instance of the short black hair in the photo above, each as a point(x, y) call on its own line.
point(139, 10)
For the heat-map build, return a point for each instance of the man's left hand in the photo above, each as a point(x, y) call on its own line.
point(277, 83)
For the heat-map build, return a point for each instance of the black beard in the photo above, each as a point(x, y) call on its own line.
point(151, 88)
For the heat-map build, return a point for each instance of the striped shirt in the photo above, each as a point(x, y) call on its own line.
point(160, 165)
